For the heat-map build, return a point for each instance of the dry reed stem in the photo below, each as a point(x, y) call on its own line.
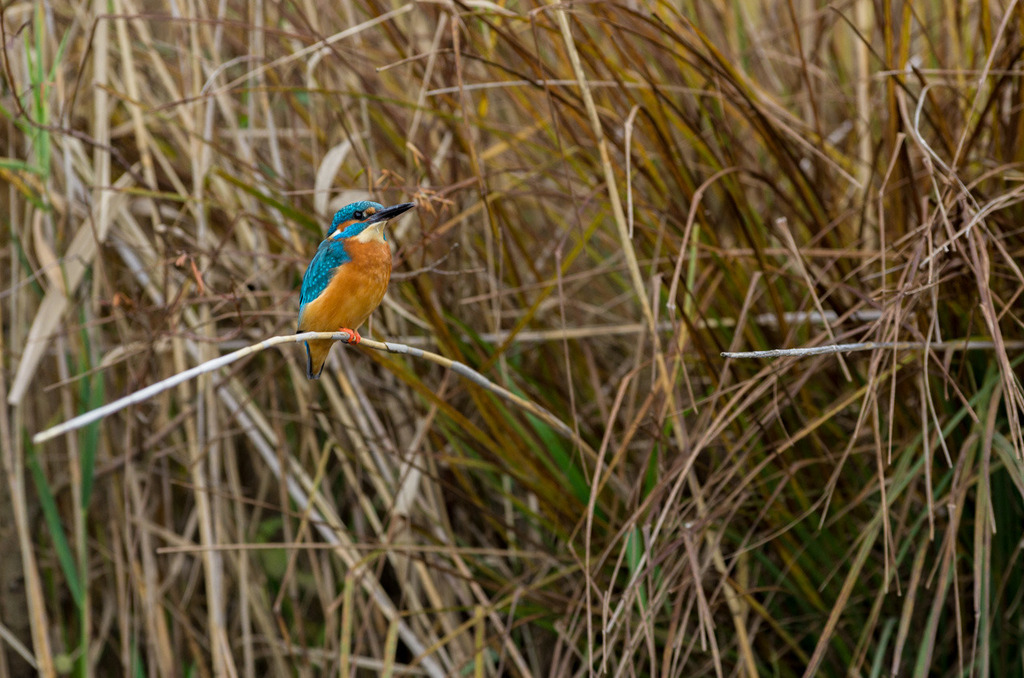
point(215, 364)
point(960, 345)
point(12, 458)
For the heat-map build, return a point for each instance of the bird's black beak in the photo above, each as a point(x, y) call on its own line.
point(390, 212)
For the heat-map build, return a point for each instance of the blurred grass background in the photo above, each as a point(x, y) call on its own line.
point(609, 196)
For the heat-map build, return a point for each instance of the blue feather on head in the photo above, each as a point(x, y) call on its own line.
point(351, 218)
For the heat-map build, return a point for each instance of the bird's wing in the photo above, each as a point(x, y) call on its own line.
point(328, 257)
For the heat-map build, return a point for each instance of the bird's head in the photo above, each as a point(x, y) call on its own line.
point(364, 220)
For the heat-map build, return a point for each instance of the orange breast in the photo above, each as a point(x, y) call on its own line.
point(358, 286)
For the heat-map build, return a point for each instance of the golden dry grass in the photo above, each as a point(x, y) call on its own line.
point(609, 196)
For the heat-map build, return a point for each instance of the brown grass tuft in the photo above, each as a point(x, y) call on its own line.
point(610, 194)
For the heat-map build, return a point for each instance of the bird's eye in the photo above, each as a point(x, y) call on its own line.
point(359, 215)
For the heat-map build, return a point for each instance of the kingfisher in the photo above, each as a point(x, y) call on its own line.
point(347, 277)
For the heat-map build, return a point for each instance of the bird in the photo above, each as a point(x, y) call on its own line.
point(347, 277)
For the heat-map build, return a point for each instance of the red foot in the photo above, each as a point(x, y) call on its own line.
point(353, 336)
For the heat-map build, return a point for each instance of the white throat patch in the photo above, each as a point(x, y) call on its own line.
point(372, 233)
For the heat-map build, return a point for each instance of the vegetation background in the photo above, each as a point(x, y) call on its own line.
point(610, 194)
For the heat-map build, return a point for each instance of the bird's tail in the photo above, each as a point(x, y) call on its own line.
point(316, 356)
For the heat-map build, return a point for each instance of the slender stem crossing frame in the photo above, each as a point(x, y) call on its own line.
point(458, 368)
